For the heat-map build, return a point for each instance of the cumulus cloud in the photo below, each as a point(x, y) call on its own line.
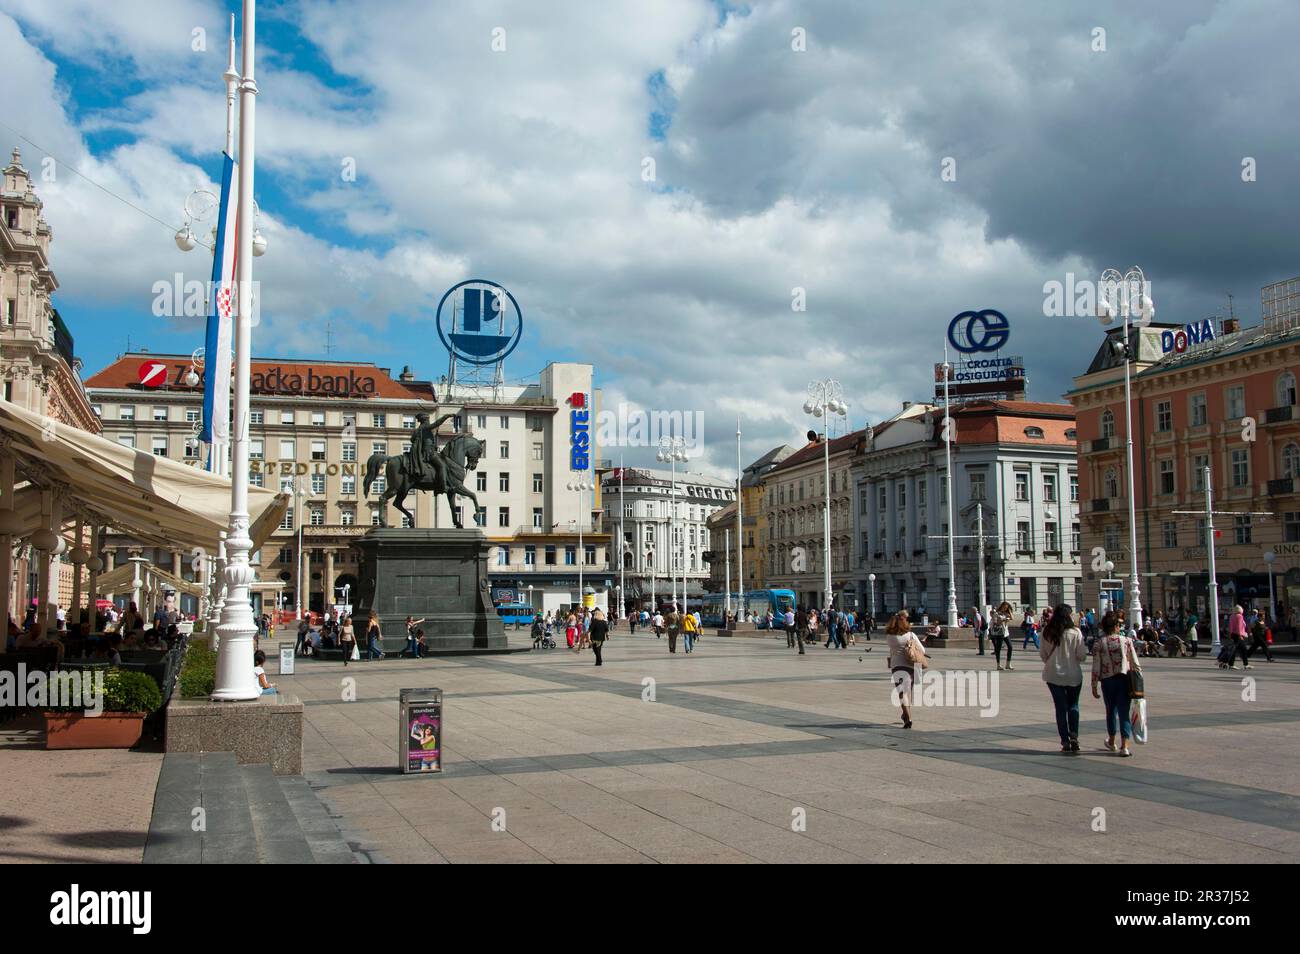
point(774, 170)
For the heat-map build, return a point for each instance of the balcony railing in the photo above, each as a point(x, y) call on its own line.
point(1100, 444)
point(1099, 504)
point(1285, 485)
point(1275, 415)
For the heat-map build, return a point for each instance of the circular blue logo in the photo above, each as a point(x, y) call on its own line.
point(973, 331)
point(479, 321)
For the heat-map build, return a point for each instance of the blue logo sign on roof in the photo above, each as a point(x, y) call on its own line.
point(479, 321)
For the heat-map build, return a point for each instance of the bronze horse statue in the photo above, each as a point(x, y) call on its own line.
point(459, 456)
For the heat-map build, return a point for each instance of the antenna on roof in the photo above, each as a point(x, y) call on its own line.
point(329, 337)
point(1231, 314)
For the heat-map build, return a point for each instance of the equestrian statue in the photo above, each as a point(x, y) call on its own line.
point(425, 467)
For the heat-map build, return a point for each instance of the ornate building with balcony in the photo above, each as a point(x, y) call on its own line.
point(1226, 402)
point(38, 368)
point(658, 547)
point(1014, 463)
point(754, 530)
point(794, 501)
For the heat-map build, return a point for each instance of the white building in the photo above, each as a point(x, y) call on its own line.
point(1015, 460)
point(658, 547)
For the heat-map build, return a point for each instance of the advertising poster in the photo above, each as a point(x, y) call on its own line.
point(424, 734)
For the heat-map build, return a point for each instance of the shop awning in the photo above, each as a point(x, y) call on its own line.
point(122, 580)
point(152, 498)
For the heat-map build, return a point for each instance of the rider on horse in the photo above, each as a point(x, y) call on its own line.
point(425, 463)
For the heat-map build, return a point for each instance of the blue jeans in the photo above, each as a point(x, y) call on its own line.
point(1114, 692)
point(689, 637)
point(1066, 699)
point(269, 691)
point(1030, 633)
point(372, 649)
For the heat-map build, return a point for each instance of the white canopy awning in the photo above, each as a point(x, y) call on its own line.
point(152, 498)
point(122, 580)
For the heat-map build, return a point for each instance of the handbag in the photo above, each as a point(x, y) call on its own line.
point(1136, 685)
point(916, 653)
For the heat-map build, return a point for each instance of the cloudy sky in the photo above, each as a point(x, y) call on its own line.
point(795, 145)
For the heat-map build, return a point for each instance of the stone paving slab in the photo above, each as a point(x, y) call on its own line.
point(743, 735)
point(75, 805)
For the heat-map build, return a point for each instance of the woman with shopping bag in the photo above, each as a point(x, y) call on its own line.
point(1113, 659)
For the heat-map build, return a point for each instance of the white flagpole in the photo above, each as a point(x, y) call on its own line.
point(741, 614)
point(622, 512)
point(952, 492)
point(234, 677)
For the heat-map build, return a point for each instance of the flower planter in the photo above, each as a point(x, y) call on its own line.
point(111, 730)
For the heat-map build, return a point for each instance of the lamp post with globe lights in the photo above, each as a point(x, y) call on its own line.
point(826, 398)
point(580, 486)
point(871, 578)
point(1116, 298)
point(671, 451)
point(234, 672)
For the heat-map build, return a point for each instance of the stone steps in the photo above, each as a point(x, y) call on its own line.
point(249, 816)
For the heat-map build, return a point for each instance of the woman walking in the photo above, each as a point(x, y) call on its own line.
point(1113, 657)
point(1062, 652)
point(598, 634)
point(905, 651)
point(347, 639)
point(372, 638)
point(1236, 633)
point(1000, 630)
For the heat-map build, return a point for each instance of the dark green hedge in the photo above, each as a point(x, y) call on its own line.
point(198, 670)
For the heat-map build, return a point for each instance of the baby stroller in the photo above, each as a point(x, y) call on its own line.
point(542, 637)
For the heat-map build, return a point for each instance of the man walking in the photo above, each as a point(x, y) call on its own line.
point(801, 627)
point(689, 630)
point(788, 622)
point(674, 623)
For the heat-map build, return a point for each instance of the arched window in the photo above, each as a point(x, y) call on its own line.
point(1291, 461)
point(1107, 424)
point(1111, 483)
point(1286, 388)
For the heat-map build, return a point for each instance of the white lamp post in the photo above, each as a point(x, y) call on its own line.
point(672, 450)
point(824, 399)
point(234, 676)
point(1110, 568)
point(952, 492)
point(1269, 557)
point(579, 487)
point(301, 488)
point(1115, 295)
point(871, 578)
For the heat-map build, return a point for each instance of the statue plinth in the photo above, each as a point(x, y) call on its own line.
point(438, 575)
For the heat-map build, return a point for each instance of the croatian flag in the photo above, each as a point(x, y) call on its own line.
point(216, 351)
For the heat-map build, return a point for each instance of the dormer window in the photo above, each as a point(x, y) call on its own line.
point(1034, 433)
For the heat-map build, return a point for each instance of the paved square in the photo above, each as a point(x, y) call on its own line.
point(744, 737)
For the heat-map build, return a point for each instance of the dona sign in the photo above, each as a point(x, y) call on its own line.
point(1176, 342)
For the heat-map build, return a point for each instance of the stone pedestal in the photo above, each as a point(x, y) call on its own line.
point(438, 575)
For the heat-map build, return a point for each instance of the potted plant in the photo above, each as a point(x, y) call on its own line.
point(127, 698)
